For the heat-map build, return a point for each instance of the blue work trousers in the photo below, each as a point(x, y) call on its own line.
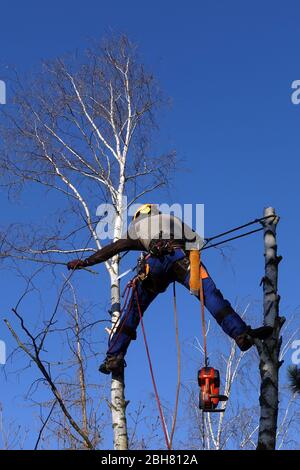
point(161, 275)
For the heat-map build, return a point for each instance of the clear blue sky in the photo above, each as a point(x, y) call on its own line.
point(228, 67)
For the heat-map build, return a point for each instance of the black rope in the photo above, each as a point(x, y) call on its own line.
point(255, 221)
point(205, 247)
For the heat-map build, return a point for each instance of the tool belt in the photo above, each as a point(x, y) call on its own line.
point(160, 247)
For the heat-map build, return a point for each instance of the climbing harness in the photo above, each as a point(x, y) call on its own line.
point(161, 247)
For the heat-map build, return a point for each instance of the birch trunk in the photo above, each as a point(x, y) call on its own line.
point(269, 350)
point(118, 403)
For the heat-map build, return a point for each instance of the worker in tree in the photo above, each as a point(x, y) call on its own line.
point(164, 240)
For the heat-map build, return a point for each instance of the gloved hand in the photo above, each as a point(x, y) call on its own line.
point(77, 264)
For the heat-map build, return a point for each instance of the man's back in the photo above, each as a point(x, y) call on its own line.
point(163, 227)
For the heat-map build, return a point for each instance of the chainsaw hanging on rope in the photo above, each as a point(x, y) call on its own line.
point(209, 396)
point(208, 377)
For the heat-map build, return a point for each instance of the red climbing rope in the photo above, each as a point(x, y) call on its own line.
point(163, 422)
point(132, 285)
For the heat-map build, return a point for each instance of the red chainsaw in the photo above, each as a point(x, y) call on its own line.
point(209, 383)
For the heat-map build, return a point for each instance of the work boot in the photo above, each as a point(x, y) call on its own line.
point(263, 332)
point(113, 364)
point(246, 340)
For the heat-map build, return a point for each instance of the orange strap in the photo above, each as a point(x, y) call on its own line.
point(203, 272)
point(194, 271)
point(197, 274)
point(201, 295)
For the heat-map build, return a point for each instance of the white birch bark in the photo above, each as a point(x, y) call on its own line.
point(118, 403)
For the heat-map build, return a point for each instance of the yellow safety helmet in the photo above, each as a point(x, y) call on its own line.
point(144, 209)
